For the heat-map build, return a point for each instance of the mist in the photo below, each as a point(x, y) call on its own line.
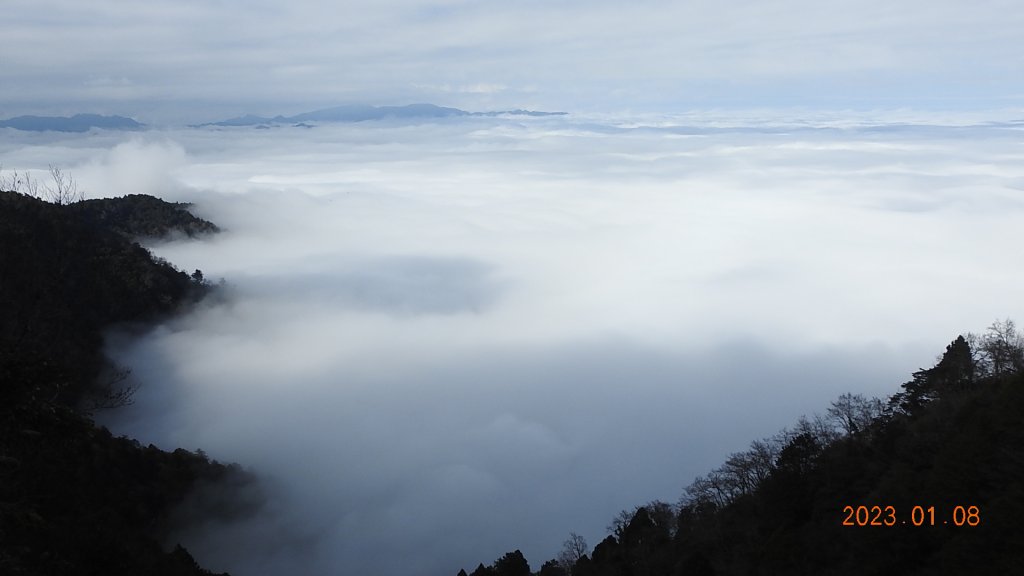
point(445, 341)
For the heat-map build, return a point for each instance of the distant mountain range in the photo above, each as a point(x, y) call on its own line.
point(76, 123)
point(361, 113)
point(350, 113)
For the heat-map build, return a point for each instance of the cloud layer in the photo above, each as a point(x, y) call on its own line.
point(447, 341)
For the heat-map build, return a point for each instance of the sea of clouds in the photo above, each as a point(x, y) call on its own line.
point(445, 341)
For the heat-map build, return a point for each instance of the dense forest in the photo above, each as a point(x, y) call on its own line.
point(930, 481)
point(74, 499)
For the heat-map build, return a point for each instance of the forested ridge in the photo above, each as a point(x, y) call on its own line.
point(929, 481)
point(74, 499)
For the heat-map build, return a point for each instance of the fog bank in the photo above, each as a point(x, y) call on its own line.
point(447, 341)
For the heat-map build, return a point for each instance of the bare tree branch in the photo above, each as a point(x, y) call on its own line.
point(64, 190)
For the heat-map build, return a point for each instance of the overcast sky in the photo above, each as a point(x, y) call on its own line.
point(188, 60)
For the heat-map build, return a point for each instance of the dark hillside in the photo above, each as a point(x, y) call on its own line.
point(931, 482)
point(139, 215)
point(73, 498)
point(67, 274)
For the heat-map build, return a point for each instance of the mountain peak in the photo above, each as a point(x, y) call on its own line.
point(364, 113)
point(76, 123)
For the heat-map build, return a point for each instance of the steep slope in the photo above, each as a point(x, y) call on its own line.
point(73, 498)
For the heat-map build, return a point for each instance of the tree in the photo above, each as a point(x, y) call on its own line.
point(853, 413)
point(607, 557)
point(620, 521)
point(957, 367)
point(574, 548)
point(954, 372)
point(482, 570)
point(664, 517)
point(112, 391)
point(741, 474)
point(64, 189)
point(552, 567)
point(645, 540)
point(1002, 348)
point(798, 456)
point(22, 183)
point(584, 567)
point(512, 564)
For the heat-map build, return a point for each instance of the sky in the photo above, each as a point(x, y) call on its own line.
point(178, 62)
point(441, 341)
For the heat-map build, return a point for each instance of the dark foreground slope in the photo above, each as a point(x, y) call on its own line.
point(930, 482)
point(73, 498)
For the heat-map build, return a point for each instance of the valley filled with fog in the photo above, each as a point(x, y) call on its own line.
point(442, 341)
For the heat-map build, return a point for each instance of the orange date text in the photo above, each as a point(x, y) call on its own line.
point(914, 516)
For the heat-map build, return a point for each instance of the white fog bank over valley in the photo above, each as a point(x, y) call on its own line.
point(443, 341)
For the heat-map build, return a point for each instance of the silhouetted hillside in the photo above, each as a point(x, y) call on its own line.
point(74, 499)
point(68, 272)
point(76, 123)
point(364, 113)
point(140, 215)
point(930, 482)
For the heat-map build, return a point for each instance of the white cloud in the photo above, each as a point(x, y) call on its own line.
point(457, 339)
